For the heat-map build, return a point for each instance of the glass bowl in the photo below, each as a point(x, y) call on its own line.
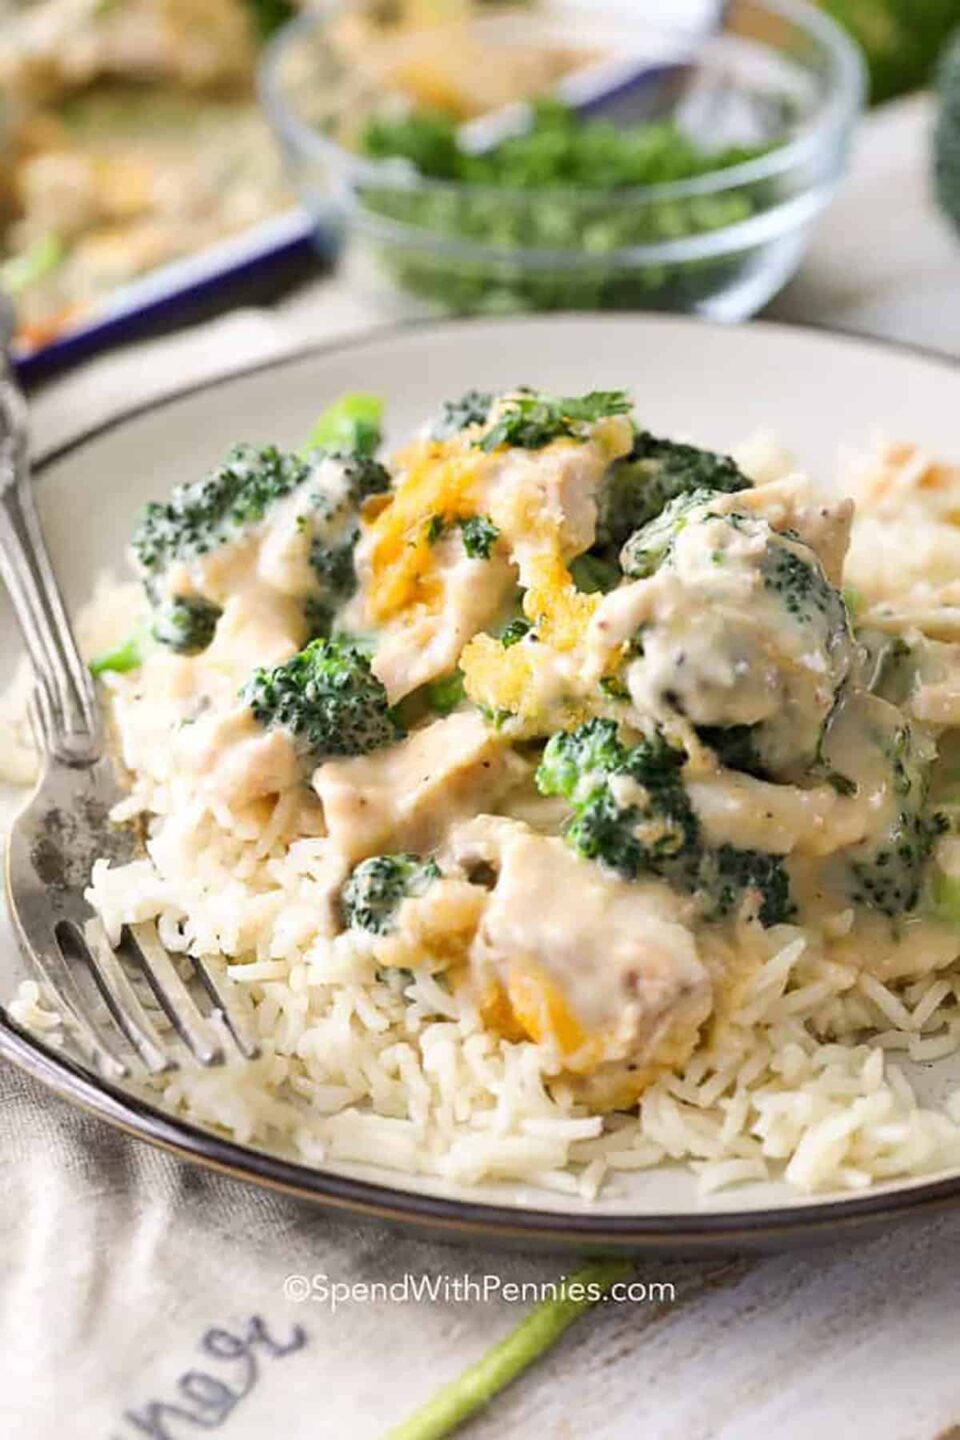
point(720, 245)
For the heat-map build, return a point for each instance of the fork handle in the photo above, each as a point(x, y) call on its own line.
point(65, 692)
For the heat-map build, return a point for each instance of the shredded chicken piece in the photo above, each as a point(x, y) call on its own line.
point(407, 796)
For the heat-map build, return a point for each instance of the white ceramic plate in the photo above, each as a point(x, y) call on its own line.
point(817, 392)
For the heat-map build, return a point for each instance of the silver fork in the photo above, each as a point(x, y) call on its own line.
point(65, 826)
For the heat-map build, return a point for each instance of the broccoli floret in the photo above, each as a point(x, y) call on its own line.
point(644, 821)
point(731, 671)
point(632, 813)
point(335, 527)
point(186, 624)
point(576, 760)
point(801, 584)
point(377, 887)
point(530, 420)
point(455, 415)
point(479, 536)
point(328, 698)
point(638, 487)
point(735, 746)
point(727, 874)
point(887, 876)
point(645, 551)
point(218, 509)
point(593, 575)
point(205, 513)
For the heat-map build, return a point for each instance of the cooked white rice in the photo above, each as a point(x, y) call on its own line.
point(355, 1067)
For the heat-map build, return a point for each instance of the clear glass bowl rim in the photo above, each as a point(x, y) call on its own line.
point(825, 132)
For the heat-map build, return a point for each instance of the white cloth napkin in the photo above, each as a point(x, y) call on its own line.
point(142, 1297)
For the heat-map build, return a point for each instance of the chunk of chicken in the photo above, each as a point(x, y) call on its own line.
point(407, 796)
point(793, 503)
point(550, 495)
point(234, 760)
point(599, 969)
point(425, 642)
point(737, 809)
point(434, 929)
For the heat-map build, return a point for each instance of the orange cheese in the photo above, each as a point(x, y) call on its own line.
point(438, 479)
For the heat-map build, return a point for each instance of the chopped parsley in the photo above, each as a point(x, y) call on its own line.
point(479, 536)
point(529, 420)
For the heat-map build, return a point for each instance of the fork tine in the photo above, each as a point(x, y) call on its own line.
point(124, 1003)
point(194, 1029)
point(221, 990)
point(38, 714)
point(54, 968)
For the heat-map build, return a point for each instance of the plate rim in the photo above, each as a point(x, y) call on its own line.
point(373, 335)
point(456, 1216)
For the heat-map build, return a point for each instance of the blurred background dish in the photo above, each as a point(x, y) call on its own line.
point(132, 139)
point(139, 187)
point(702, 207)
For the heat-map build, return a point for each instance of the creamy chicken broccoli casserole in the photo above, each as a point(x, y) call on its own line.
point(563, 798)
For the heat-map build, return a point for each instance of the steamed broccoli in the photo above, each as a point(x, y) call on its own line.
point(727, 874)
point(735, 671)
point(207, 512)
point(632, 813)
point(350, 426)
point(472, 408)
point(334, 523)
point(530, 420)
point(647, 548)
point(593, 575)
point(238, 494)
point(328, 698)
point(638, 487)
point(653, 830)
point(377, 887)
point(735, 746)
point(128, 655)
point(186, 624)
point(887, 876)
point(805, 591)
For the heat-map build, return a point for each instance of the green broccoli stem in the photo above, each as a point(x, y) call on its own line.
point(351, 424)
point(516, 1352)
point(128, 655)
